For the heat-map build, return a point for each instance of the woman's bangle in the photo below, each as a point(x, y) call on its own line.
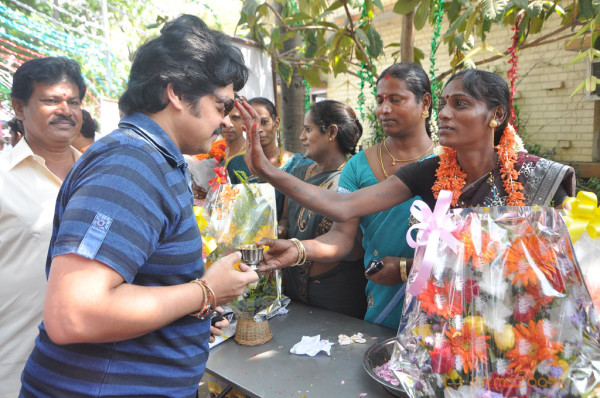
point(403, 275)
point(301, 252)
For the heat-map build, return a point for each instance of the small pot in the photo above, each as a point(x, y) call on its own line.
point(252, 255)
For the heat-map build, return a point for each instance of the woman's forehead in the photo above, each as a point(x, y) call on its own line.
point(391, 85)
point(261, 110)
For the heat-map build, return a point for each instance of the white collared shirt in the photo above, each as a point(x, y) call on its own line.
point(28, 191)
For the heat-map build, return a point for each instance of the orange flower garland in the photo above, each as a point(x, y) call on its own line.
point(507, 158)
point(217, 151)
point(451, 178)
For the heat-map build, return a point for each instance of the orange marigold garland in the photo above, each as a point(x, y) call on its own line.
point(451, 178)
point(217, 151)
point(449, 175)
point(507, 158)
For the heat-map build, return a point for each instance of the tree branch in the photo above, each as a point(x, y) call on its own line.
point(277, 15)
point(352, 35)
point(309, 62)
point(535, 43)
point(309, 27)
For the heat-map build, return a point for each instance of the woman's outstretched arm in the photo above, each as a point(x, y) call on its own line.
point(334, 205)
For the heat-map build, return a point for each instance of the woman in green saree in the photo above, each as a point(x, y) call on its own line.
point(331, 132)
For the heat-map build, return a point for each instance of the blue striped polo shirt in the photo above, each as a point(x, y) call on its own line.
point(127, 203)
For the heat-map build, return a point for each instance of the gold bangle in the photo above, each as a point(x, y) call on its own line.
point(301, 252)
point(403, 275)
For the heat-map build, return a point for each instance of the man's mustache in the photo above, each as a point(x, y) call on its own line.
point(61, 118)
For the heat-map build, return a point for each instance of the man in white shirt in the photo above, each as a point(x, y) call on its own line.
point(46, 96)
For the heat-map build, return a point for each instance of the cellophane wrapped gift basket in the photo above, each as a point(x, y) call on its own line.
point(583, 221)
point(236, 216)
point(496, 307)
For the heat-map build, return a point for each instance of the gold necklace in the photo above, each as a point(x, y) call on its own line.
point(381, 160)
point(394, 160)
point(280, 158)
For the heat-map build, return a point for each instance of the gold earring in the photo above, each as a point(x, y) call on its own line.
point(425, 114)
point(330, 139)
point(493, 123)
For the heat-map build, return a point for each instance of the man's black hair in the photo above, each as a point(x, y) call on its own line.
point(49, 70)
point(88, 125)
point(194, 59)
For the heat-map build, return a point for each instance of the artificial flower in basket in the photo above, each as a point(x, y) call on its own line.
point(238, 215)
point(496, 307)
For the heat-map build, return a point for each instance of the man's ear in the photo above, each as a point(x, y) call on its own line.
point(18, 107)
point(176, 100)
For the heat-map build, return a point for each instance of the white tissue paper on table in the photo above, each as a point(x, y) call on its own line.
point(311, 346)
point(356, 338)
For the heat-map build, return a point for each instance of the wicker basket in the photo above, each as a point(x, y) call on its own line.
point(250, 332)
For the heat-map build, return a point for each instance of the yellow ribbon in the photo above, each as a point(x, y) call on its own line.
point(583, 216)
point(210, 244)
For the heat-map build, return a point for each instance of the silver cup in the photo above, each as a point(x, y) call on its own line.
point(252, 255)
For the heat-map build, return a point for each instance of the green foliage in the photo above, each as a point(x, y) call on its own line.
point(257, 299)
point(327, 44)
point(588, 184)
point(469, 20)
point(376, 133)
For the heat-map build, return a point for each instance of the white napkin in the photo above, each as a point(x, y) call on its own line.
point(311, 346)
point(356, 338)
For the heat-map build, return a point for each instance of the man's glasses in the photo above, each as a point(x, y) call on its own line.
point(228, 103)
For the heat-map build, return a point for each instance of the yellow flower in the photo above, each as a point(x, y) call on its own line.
point(453, 374)
point(565, 367)
point(476, 324)
point(505, 340)
point(423, 331)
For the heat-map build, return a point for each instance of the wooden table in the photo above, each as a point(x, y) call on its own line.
point(270, 370)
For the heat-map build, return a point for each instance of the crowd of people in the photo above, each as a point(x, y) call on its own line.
point(112, 219)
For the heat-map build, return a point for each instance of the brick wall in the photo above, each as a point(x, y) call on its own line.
point(543, 88)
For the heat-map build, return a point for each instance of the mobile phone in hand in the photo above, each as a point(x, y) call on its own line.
point(217, 317)
point(374, 266)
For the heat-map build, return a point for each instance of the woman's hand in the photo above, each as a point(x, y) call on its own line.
point(282, 253)
point(255, 158)
point(217, 328)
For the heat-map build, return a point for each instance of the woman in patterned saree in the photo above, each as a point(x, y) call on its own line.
point(479, 164)
point(331, 132)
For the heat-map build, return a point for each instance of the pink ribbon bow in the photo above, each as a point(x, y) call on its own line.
point(432, 227)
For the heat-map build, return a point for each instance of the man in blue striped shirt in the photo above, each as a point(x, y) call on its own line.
point(125, 242)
